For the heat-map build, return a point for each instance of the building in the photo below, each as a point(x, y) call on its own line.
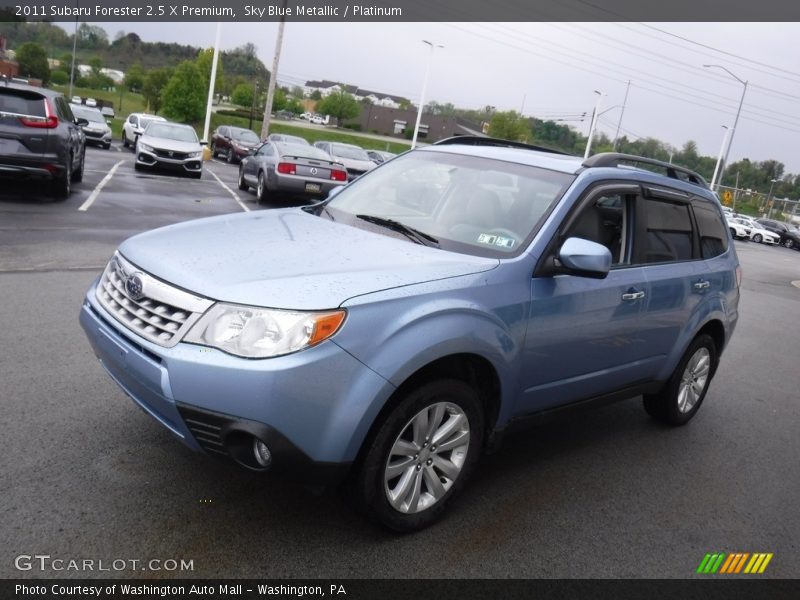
point(9, 68)
point(400, 123)
point(326, 88)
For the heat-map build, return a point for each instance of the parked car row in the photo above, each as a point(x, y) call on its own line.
point(765, 231)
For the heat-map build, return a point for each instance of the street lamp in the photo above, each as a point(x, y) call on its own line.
point(595, 114)
point(735, 122)
point(719, 159)
point(424, 87)
point(769, 195)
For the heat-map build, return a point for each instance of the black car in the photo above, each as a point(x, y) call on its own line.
point(790, 236)
point(40, 138)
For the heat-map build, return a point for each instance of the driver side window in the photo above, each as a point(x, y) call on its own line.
point(604, 219)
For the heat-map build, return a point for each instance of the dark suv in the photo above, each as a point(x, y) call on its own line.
point(790, 238)
point(233, 143)
point(40, 138)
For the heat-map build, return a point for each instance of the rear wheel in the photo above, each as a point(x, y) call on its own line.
point(421, 456)
point(683, 394)
point(261, 191)
point(62, 185)
point(77, 175)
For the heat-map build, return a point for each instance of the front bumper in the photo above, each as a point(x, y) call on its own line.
point(312, 408)
point(187, 165)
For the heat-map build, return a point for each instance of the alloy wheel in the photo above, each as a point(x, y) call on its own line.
point(694, 379)
point(427, 458)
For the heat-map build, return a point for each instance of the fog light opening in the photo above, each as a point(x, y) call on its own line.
point(261, 453)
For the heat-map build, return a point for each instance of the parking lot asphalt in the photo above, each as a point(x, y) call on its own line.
point(609, 493)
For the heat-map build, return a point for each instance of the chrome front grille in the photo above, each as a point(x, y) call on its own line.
point(148, 306)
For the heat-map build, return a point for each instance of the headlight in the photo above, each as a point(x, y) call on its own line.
point(261, 332)
point(145, 147)
point(195, 154)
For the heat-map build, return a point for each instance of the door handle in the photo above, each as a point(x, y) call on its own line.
point(633, 296)
point(701, 285)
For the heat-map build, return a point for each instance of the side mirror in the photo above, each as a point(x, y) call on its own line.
point(585, 258)
point(204, 142)
point(81, 121)
point(108, 121)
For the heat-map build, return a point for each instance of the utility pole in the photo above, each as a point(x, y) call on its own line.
point(211, 83)
point(74, 49)
point(593, 125)
point(273, 77)
point(424, 89)
point(622, 112)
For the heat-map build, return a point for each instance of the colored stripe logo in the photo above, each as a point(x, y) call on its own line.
point(734, 563)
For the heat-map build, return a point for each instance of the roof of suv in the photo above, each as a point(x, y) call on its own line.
point(29, 88)
point(556, 160)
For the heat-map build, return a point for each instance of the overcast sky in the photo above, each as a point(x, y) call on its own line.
point(555, 68)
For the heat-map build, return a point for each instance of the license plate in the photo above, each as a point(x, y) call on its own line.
point(313, 188)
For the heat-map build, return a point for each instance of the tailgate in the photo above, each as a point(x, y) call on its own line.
point(16, 138)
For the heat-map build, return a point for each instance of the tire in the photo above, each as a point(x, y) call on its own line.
point(405, 491)
point(229, 156)
point(262, 192)
point(77, 176)
point(242, 184)
point(197, 175)
point(137, 167)
point(125, 142)
point(685, 390)
point(62, 186)
point(733, 234)
point(787, 243)
point(213, 151)
point(107, 146)
point(757, 238)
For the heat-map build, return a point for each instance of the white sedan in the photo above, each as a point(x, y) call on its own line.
point(757, 233)
point(738, 229)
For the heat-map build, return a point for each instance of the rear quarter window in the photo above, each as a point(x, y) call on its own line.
point(711, 229)
point(667, 233)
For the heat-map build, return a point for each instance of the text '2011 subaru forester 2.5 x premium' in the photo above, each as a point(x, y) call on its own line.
point(394, 331)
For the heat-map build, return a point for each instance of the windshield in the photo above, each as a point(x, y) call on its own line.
point(471, 205)
point(167, 131)
point(90, 114)
point(349, 152)
point(245, 135)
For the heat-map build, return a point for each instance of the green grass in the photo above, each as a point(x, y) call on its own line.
point(312, 135)
point(131, 102)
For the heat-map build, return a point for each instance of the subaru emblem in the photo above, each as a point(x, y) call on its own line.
point(134, 286)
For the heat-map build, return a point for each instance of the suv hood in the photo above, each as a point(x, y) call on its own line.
point(289, 259)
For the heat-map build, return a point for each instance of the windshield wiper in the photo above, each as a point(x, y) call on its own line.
point(413, 234)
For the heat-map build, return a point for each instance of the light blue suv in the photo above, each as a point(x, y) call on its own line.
point(389, 335)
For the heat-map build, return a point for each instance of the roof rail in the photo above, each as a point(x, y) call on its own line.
point(613, 159)
point(476, 140)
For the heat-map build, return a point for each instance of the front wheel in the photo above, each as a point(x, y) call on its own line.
point(685, 390)
point(230, 156)
point(125, 141)
point(757, 238)
point(242, 184)
point(787, 243)
point(421, 456)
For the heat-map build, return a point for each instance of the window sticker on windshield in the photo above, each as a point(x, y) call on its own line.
point(496, 240)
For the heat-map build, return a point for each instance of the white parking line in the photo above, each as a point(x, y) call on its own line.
point(96, 192)
point(230, 191)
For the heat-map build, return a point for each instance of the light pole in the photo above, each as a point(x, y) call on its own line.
point(735, 122)
point(424, 88)
point(74, 49)
point(253, 104)
point(619, 123)
point(594, 123)
point(769, 195)
point(719, 159)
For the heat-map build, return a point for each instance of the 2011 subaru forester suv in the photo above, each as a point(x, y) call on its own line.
point(396, 330)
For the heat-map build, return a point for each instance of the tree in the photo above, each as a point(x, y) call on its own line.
point(59, 77)
point(316, 95)
point(153, 87)
point(92, 37)
point(203, 61)
point(243, 95)
point(341, 105)
point(134, 78)
point(294, 105)
point(298, 92)
point(32, 61)
point(509, 126)
point(183, 99)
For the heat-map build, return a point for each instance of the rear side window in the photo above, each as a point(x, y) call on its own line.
point(21, 103)
point(712, 231)
point(666, 233)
